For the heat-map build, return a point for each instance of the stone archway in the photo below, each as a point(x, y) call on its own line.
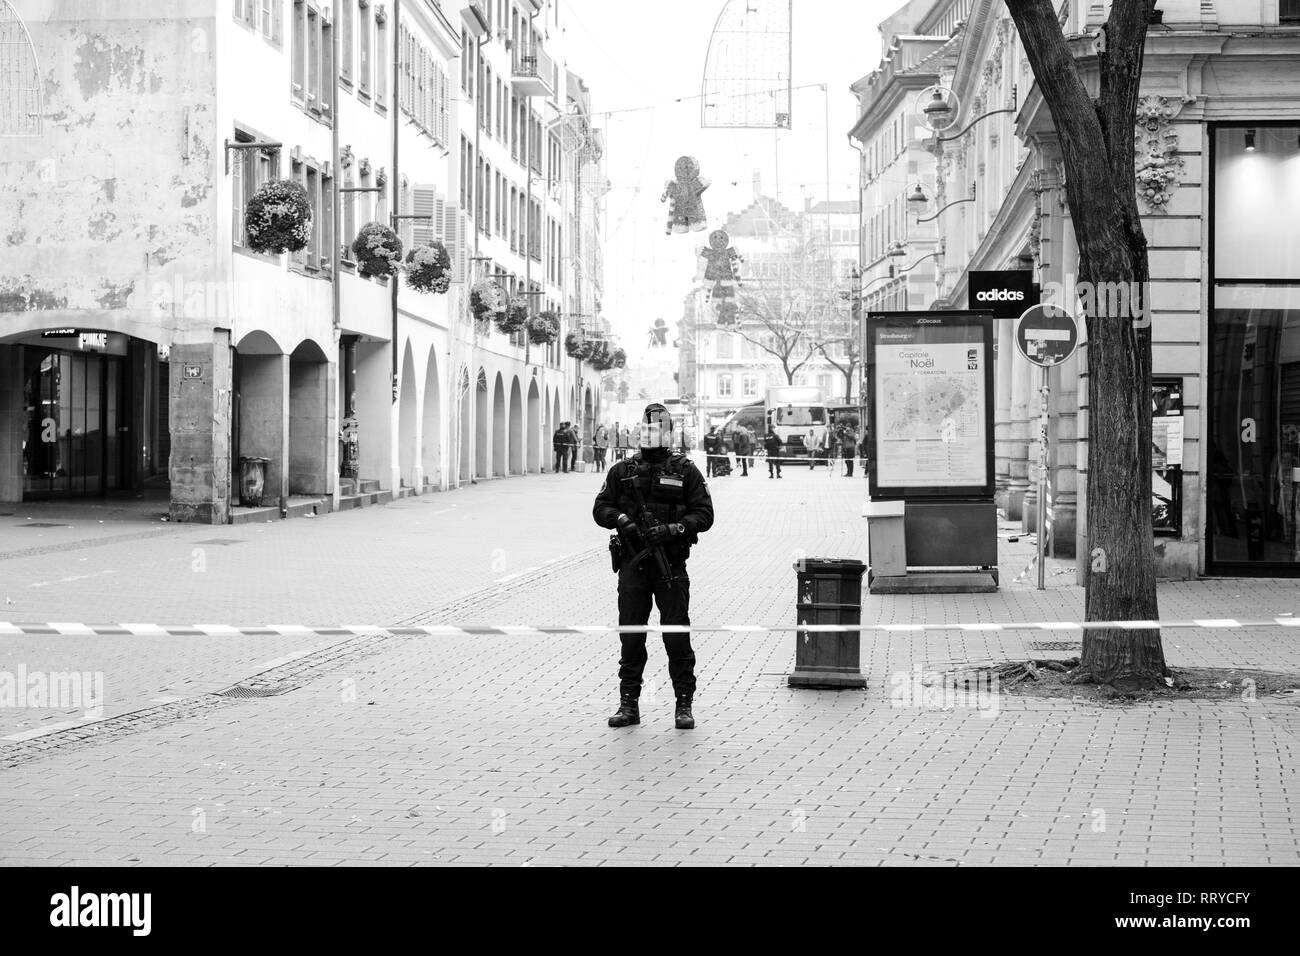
point(499, 433)
point(517, 446)
point(465, 425)
point(431, 424)
point(408, 424)
point(534, 429)
point(310, 431)
point(481, 446)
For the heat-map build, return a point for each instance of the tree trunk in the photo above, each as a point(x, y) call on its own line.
point(1097, 144)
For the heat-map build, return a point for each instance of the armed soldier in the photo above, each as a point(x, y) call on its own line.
point(658, 503)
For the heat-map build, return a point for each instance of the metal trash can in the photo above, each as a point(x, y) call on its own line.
point(252, 481)
point(887, 544)
point(829, 592)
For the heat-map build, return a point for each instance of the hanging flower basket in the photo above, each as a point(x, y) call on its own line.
point(619, 357)
point(602, 360)
point(487, 300)
point(278, 218)
point(543, 328)
point(378, 250)
point(428, 268)
point(516, 315)
point(573, 346)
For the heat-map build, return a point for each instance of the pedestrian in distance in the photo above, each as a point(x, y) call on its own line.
point(559, 449)
point(740, 440)
point(849, 446)
point(772, 445)
point(571, 446)
point(600, 442)
point(617, 438)
point(658, 504)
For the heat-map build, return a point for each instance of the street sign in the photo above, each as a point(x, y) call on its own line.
point(1047, 335)
point(193, 371)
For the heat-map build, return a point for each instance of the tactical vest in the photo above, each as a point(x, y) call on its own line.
point(664, 489)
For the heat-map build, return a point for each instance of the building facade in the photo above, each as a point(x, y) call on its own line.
point(173, 350)
point(1217, 176)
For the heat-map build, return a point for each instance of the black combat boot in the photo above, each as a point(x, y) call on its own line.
point(685, 719)
point(629, 711)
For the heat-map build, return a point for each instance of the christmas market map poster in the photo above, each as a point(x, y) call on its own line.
point(930, 406)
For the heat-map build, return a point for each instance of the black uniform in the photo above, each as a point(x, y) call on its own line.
point(675, 491)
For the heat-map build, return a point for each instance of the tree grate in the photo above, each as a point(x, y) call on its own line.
point(1055, 646)
point(242, 691)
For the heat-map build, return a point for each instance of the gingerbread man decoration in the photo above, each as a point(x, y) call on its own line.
point(685, 208)
point(721, 258)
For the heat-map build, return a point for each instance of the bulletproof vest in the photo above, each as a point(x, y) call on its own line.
point(663, 486)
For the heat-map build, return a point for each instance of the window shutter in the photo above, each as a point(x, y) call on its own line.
point(237, 195)
point(425, 201)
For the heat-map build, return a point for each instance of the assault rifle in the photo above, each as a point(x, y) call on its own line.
point(634, 538)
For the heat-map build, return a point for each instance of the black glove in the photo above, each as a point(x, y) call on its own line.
point(625, 524)
point(662, 533)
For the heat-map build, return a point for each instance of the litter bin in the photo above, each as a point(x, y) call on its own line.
point(252, 481)
point(887, 545)
point(829, 592)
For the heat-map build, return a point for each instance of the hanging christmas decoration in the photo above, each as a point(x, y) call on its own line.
point(685, 207)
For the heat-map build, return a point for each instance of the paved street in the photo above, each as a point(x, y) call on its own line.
point(374, 748)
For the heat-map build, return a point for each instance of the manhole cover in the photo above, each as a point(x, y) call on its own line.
point(1055, 645)
point(241, 691)
point(40, 524)
point(221, 541)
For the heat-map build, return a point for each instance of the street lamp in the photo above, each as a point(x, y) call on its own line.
point(918, 198)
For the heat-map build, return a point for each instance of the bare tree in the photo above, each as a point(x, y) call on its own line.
point(1097, 146)
point(789, 314)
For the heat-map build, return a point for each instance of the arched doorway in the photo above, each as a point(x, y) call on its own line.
point(258, 415)
point(498, 428)
point(555, 423)
point(481, 425)
point(431, 424)
point(516, 429)
point(534, 428)
point(309, 420)
point(465, 424)
point(407, 424)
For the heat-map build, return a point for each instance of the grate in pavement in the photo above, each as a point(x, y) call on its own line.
point(222, 541)
point(241, 691)
point(1055, 645)
point(41, 524)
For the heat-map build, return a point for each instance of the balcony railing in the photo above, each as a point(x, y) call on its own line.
point(533, 72)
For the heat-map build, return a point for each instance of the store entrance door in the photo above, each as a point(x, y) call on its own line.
point(77, 439)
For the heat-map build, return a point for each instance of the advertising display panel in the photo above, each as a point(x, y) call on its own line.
point(930, 377)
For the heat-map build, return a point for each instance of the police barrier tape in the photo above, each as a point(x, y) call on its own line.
point(436, 630)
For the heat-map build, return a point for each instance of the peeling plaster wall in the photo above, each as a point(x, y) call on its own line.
point(117, 193)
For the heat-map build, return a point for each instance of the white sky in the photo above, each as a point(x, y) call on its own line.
point(638, 55)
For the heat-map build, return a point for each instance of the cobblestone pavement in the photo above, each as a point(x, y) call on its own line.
point(494, 749)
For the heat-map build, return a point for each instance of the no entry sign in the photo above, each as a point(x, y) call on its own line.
point(1047, 335)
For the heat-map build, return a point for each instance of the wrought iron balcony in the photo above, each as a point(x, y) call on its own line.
point(533, 73)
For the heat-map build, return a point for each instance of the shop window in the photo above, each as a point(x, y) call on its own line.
point(1289, 11)
point(1253, 461)
point(1257, 202)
